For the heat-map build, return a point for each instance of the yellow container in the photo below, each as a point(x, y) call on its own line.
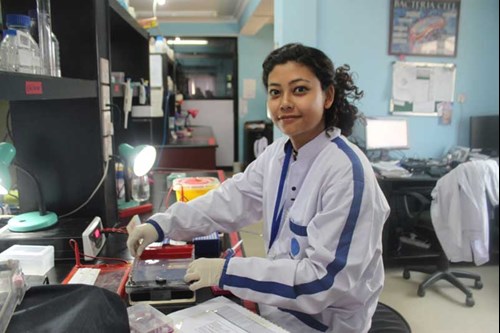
point(192, 187)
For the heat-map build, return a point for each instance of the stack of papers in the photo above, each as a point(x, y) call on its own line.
point(222, 316)
point(390, 169)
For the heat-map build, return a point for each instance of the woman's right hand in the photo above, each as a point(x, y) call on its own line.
point(141, 236)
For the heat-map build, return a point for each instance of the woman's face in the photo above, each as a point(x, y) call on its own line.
point(296, 102)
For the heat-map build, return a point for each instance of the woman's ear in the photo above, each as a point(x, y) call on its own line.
point(329, 96)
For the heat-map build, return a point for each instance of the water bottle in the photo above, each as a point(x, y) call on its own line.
point(28, 53)
point(8, 52)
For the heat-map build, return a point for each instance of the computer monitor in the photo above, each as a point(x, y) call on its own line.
point(484, 133)
point(386, 134)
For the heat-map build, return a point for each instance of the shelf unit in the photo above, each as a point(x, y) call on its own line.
point(57, 123)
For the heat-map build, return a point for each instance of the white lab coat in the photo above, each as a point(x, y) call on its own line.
point(324, 272)
point(459, 210)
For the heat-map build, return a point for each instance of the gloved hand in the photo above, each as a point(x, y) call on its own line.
point(204, 272)
point(140, 237)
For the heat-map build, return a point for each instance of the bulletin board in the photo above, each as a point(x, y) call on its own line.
point(422, 89)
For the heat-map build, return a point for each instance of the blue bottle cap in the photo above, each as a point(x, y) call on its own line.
point(18, 20)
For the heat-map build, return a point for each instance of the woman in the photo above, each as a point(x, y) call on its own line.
point(322, 208)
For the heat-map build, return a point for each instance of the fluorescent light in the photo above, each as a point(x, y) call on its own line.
point(162, 2)
point(190, 13)
point(179, 41)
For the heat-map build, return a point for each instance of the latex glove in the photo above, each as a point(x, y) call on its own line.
point(140, 237)
point(204, 272)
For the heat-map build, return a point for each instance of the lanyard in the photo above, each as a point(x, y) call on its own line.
point(278, 213)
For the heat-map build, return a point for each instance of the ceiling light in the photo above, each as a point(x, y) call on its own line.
point(162, 2)
point(191, 13)
point(179, 41)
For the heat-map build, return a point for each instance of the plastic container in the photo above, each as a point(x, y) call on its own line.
point(8, 52)
point(120, 181)
point(140, 188)
point(143, 318)
point(49, 45)
point(33, 259)
point(187, 189)
point(28, 52)
point(12, 290)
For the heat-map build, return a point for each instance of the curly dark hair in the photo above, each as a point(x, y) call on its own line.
point(343, 112)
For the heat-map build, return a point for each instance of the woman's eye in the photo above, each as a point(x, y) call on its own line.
point(300, 90)
point(274, 92)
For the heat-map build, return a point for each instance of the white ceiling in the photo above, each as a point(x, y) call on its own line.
point(196, 11)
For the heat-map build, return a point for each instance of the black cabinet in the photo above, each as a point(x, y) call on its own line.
point(57, 123)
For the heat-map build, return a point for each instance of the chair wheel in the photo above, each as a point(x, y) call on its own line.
point(421, 292)
point(469, 301)
point(406, 274)
point(478, 284)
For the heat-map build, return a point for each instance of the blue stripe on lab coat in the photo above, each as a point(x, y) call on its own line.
point(342, 251)
point(308, 320)
point(298, 229)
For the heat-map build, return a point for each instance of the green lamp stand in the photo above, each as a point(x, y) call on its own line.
point(30, 221)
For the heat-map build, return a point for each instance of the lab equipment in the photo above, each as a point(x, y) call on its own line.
point(8, 52)
point(189, 188)
point(157, 276)
point(28, 52)
point(484, 133)
point(143, 318)
point(231, 251)
point(33, 259)
point(12, 290)
point(127, 101)
point(93, 239)
point(49, 45)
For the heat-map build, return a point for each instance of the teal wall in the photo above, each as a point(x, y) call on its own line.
point(357, 32)
point(251, 52)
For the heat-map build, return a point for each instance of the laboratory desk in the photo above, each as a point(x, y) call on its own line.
point(116, 243)
point(195, 152)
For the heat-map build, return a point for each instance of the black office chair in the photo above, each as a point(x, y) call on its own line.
point(416, 207)
point(388, 320)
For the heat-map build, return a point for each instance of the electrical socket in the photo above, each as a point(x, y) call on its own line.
point(107, 125)
point(107, 147)
point(105, 97)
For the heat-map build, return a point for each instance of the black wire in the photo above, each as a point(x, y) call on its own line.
point(8, 127)
point(113, 113)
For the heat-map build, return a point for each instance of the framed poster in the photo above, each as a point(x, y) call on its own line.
point(422, 89)
point(424, 27)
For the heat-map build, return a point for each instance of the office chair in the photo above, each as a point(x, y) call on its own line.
point(387, 320)
point(459, 207)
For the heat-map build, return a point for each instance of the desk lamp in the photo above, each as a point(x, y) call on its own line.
point(140, 159)
point(30, 221)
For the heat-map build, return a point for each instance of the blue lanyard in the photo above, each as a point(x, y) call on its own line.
point(278, 213)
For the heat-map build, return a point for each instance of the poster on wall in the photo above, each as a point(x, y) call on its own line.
point(424, 27)
point(422, 89)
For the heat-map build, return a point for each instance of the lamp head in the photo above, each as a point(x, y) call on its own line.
point(140, 158)
point(7, 153)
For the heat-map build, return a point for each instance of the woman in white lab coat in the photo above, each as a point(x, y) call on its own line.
point(322, 208)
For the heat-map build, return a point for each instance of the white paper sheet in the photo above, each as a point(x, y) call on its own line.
point(220, 315)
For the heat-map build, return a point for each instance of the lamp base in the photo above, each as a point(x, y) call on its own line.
point(122, 204)
point(32, 221)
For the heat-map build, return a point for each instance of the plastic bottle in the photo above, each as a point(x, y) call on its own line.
point(8, 52)
point(28, 53)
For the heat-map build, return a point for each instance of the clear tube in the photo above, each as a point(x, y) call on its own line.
point(46, 42)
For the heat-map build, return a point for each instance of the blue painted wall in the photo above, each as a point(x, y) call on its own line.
point(357, 32)
point(251, 52)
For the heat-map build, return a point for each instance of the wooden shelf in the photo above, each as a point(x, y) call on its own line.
point(26, 87)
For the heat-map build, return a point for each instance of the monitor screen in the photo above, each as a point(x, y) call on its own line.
point(386, 133)
point(484, 132)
